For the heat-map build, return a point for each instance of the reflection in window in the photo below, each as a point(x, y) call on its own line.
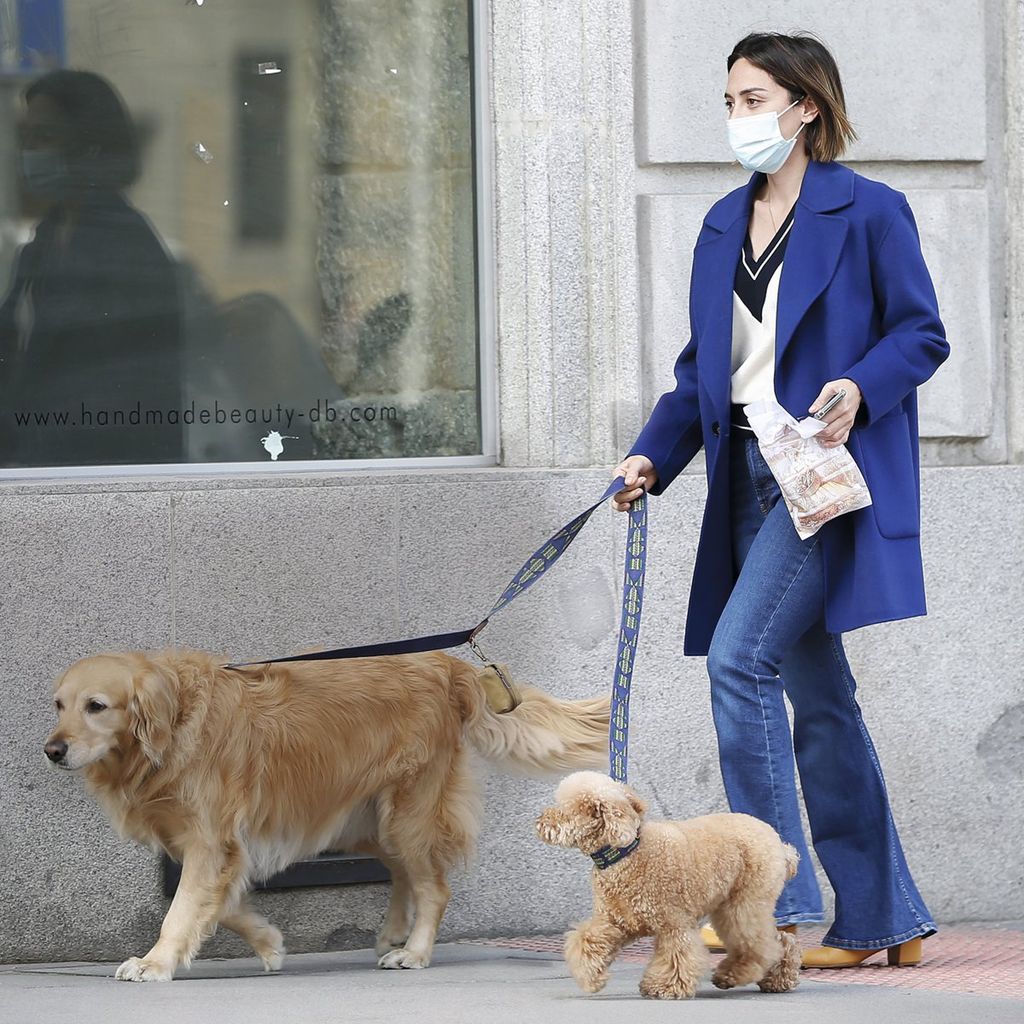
point(241, 231)
point(262, 159)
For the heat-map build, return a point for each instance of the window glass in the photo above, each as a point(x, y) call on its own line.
point(236, 231)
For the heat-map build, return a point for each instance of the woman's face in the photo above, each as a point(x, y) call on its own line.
point(751, 90)
point(43, 125)
point(43, 134)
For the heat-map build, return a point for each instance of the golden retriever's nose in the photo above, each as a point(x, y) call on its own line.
point(56, 751)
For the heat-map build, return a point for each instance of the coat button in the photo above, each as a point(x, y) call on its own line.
point(715, 428)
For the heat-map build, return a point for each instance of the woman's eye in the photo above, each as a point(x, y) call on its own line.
point(95, 706)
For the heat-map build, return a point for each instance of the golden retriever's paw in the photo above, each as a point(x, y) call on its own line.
point(667, 988)
point(403, 959)
point(137, 969)
point(271, 949)
point(386, 945)
point(272, 959)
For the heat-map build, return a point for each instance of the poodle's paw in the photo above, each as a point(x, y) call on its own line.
point(403, 959)
point(667, 988)
point(588, 980)
point(723, 979)
point(785, 975)
point(735, 971)
point(136, 968)
point(589, 972)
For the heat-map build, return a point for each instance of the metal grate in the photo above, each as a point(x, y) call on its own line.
point(327, 869)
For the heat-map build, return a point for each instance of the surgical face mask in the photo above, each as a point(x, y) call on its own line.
point(46, 172)
point(757, 142)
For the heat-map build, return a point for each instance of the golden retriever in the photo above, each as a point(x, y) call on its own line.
point(238, 772)
point(665, 877)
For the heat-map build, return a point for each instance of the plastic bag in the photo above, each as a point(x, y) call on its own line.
point(817, 483)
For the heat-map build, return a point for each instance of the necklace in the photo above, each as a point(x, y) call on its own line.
point(775, 227)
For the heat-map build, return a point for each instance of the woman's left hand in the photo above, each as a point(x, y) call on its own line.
point(840, 419)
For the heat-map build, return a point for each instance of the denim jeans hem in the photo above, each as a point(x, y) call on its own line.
point(923, 930)
point(798, 918)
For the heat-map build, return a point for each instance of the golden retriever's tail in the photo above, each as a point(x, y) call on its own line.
point(542, 736)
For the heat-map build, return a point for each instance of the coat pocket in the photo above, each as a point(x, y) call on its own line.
point(891, 476)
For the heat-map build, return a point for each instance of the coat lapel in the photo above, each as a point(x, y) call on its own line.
point(812, 254)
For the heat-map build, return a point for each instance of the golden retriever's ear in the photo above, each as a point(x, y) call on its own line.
point(152, 710)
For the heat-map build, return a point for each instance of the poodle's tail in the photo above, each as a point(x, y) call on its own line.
point(542, 736)
point(792, 860)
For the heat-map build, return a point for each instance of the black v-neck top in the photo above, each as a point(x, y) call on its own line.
point(753, 276)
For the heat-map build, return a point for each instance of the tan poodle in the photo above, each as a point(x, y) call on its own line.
point(662, 878)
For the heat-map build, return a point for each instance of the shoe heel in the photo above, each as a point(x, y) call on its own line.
point(906, 954)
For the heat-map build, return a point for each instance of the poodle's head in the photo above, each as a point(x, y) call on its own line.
point(591, 811)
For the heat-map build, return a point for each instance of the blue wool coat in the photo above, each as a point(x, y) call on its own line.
point(855, 300)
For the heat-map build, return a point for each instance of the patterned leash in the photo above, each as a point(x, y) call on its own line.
point(533, 569)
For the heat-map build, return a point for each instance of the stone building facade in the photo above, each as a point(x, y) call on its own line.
point(600, 145)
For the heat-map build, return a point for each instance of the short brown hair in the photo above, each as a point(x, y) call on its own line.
point(803, 65)
point(100, 131)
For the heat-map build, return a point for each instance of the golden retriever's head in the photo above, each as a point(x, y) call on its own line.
point(591, 811)
point(109, 704)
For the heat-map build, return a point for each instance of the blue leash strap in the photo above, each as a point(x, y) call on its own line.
point(629, 633)
point(531, 571)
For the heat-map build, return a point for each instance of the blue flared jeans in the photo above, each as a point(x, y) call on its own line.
point(770, 641)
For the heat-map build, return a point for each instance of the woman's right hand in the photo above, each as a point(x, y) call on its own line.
point(640, 476)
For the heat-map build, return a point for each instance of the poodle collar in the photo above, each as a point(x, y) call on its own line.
point(609, 855)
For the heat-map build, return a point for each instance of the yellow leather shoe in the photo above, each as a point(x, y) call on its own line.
point(906, 954)
point(714, 944)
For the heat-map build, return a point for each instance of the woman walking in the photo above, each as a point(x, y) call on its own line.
point(807, 280)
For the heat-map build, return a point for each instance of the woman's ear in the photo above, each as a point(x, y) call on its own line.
point(810, 107)
point(152, 711)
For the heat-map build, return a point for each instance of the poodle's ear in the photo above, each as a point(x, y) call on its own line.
point(636, 802)
point(152, 711)
point(619, 820)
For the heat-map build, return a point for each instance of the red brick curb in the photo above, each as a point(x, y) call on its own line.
point(959, 958)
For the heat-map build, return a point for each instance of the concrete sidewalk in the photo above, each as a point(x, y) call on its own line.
point(468, 981)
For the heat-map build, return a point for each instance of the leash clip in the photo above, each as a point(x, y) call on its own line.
point(475, 648)
point(513, 697)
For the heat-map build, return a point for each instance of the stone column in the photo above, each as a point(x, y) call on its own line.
point(565, 226)
point(1014, 44)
